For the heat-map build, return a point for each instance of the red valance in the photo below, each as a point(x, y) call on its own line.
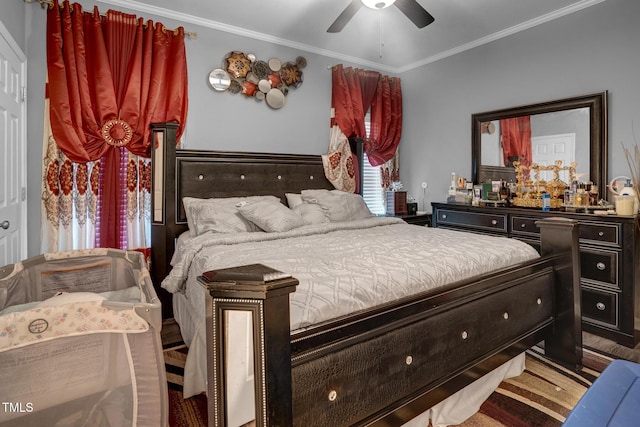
point(109, 78)
point(354, 92)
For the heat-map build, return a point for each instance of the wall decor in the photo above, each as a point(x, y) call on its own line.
point(267, 81)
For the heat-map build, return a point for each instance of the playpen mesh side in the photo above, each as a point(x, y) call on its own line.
point(98, 378)
point(106, 379)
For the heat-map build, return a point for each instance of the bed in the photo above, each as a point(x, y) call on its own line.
point(383, 362)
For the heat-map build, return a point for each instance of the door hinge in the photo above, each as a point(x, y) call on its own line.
point(23, 93)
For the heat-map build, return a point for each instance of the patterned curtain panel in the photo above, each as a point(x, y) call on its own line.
point(110, 77)
point(70, 194)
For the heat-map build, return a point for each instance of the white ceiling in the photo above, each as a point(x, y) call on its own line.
point(386, 40)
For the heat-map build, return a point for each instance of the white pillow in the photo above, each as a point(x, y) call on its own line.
point(271, 216)
point(311, 213)
point(294, 199)
point(339, 206)
point(220, 215)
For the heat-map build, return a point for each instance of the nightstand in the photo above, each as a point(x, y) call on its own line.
point(417, 219)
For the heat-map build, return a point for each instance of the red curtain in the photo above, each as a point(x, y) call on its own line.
point(110, 77)
point(386, 120)
point(356, 91)
point(351, 95)
point(515, 134)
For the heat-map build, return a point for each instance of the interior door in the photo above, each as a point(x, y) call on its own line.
point(547, 149)
point(13, 232)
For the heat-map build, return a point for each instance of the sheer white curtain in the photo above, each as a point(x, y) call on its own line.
point(69, 208)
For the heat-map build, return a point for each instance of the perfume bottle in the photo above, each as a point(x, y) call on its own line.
point(593, 195)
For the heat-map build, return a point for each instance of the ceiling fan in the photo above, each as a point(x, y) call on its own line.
point(416, 13)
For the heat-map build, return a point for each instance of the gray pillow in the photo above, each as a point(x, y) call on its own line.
point(311, 213)
point(271, 216)
point(339, 206)
point(220, 215)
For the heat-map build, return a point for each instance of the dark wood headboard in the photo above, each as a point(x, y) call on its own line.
point(178, 173)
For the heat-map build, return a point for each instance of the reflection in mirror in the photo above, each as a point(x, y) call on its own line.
point(553, 136)
point(571, 130)
point(239, 367)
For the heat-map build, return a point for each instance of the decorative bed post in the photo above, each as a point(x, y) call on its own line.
point(268, 303)
point(164, 207)
point(558, 235)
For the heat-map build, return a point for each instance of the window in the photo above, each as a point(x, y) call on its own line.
point(372, 191)
point(371, 184)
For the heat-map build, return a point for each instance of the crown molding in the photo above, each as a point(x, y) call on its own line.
point(220, 26)
point(504, 33)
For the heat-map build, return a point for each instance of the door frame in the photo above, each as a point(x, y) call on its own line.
point(13, 45)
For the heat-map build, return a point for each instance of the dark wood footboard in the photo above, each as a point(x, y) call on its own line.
point(386, 365)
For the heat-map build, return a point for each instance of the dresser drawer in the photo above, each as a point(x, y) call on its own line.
point(600, 306)
point(599, 233)
point(480, 221)
point(600, 267)
point(524, 226)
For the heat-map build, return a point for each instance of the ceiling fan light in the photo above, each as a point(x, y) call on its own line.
point(378, 4)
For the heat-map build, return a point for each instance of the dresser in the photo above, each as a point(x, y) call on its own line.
point(609, 259)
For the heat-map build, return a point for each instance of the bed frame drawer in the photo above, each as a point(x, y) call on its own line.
point(478, 221)
point(341, 386)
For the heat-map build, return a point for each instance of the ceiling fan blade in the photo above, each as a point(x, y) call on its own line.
point(345, 16)
point(415, 12)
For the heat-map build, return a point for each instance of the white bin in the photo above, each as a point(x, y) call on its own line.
point(80, 342)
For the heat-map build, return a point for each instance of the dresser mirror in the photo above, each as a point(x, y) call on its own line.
point(571, 130)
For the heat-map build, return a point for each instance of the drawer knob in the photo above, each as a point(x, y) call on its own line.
point(523, 225)
point(464, 335)
point(600, 233)
point(601, 306)
point(600, 266)
point(444, 216)
point(494, 222)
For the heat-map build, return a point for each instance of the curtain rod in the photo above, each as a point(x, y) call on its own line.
point(189, 34)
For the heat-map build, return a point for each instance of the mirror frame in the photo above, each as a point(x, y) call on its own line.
point(597, 104)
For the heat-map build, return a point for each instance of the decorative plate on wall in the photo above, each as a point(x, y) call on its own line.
point(261, 80)
point(219, 79)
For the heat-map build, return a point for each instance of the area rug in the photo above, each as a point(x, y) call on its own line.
point(191, 412)
point(543, 395)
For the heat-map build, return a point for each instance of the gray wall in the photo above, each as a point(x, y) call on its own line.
point(12, 15)
point(589, 51)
